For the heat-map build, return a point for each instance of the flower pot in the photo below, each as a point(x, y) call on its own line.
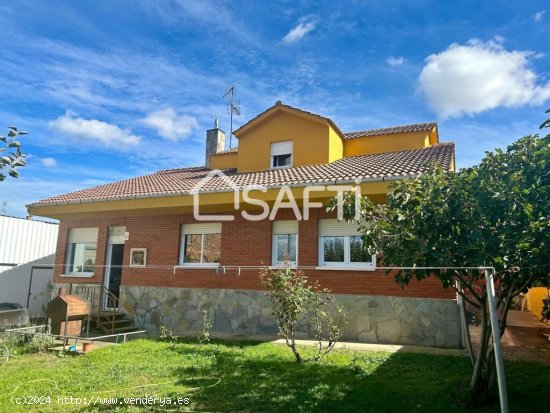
point(86, 347)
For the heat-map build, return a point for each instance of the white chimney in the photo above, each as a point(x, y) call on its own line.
point(215, 142)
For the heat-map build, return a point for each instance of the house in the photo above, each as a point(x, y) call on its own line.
point(27, 253)
point(166, 259)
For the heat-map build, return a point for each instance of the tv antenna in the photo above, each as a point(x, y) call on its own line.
point(233, 108)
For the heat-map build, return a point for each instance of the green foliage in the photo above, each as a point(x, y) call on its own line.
point(545, 312)
point(293, 297)
point(40, 342)
point(326, 329)
point(11, 156)
point(260, 377)
point(495, 214)
point(204, 333)
point(167, 335)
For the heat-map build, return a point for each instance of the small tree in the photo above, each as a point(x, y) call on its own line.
point(496, 214)
point(294, 298)
point(325, 327)
point(290, 294)
point(204, 333)
point(11, 156)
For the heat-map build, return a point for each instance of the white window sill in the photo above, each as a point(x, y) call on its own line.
point(78, 275)
point(195, 266)
point(345, 268)
point(280, 167)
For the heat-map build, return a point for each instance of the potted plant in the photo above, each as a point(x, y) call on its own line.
point(87, 346)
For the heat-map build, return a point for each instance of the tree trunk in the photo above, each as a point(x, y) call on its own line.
point(479, 376)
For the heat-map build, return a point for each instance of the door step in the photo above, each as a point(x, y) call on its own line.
point(113, 323)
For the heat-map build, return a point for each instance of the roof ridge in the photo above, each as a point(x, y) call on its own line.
point(392, 129)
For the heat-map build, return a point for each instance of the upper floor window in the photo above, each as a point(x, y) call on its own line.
point(340, 245)
point(281, 155)
point(285, 242)
point(81, 251)
point(200, 244)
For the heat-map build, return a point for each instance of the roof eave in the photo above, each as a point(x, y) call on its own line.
point(225, 190)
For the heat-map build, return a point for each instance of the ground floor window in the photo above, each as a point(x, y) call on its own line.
point(201, 244)
point(81, 251)
point(285, 242)
point(341, 245)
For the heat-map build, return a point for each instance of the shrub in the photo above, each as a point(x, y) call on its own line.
point(168, 336)
point(40, 342)
point(204, 334)
point(293, 297)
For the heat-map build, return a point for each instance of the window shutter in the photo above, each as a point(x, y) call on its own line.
point(83, 235)
point(281, 148)
point(210, 228)
point(285, 227)
point(333, 227)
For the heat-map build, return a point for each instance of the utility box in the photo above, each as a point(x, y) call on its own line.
point(69, 309)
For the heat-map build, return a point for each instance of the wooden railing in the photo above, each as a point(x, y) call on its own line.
point(108, 308)
point(103, 303)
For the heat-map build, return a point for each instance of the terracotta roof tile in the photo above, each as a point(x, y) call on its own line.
point(232, 150)
point(417, 127)
point(182, 181)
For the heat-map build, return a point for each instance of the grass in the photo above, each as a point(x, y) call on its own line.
point(260, 377)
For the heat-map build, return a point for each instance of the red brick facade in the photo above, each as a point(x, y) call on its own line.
point(243, 243)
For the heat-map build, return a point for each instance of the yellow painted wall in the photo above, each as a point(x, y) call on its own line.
point(311, 140)
point(224, 161)
point(387, 143)
point(534, 299)
point(335, 145)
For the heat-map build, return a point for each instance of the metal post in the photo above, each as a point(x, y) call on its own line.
point(499, 361)
point(463, 324)
point(65, 340)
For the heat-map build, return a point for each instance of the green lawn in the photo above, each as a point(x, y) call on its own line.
point(260, 377)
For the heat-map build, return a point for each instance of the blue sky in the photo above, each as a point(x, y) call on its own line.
point(114, 89)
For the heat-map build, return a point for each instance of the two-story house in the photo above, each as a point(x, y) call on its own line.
point(141, 240)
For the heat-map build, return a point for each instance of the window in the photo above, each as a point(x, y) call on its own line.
point(200, 244)
point(281, 155)
point(285, 242)
point(81, 251)
point(341, 246)
point(333, 249)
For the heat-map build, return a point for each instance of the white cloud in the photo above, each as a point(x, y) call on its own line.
point(94, 130)
point(48, 162)
point(395, 61)
point(305, 25)
point(478, 76)
point(538, 15)
point(169, 124)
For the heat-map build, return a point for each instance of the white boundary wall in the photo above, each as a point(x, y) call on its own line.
point(24, 240)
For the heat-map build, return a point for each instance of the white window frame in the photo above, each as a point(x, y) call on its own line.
point(198, 229)
point(275, 252)
point(79, 236)
point(347, 234)
point(287, 228)
point(275, 150)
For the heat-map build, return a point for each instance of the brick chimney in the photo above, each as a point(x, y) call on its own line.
point(215, 142)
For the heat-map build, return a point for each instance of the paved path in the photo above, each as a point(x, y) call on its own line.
point(523, 339)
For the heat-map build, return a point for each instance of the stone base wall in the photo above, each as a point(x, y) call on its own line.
point(371, 319)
